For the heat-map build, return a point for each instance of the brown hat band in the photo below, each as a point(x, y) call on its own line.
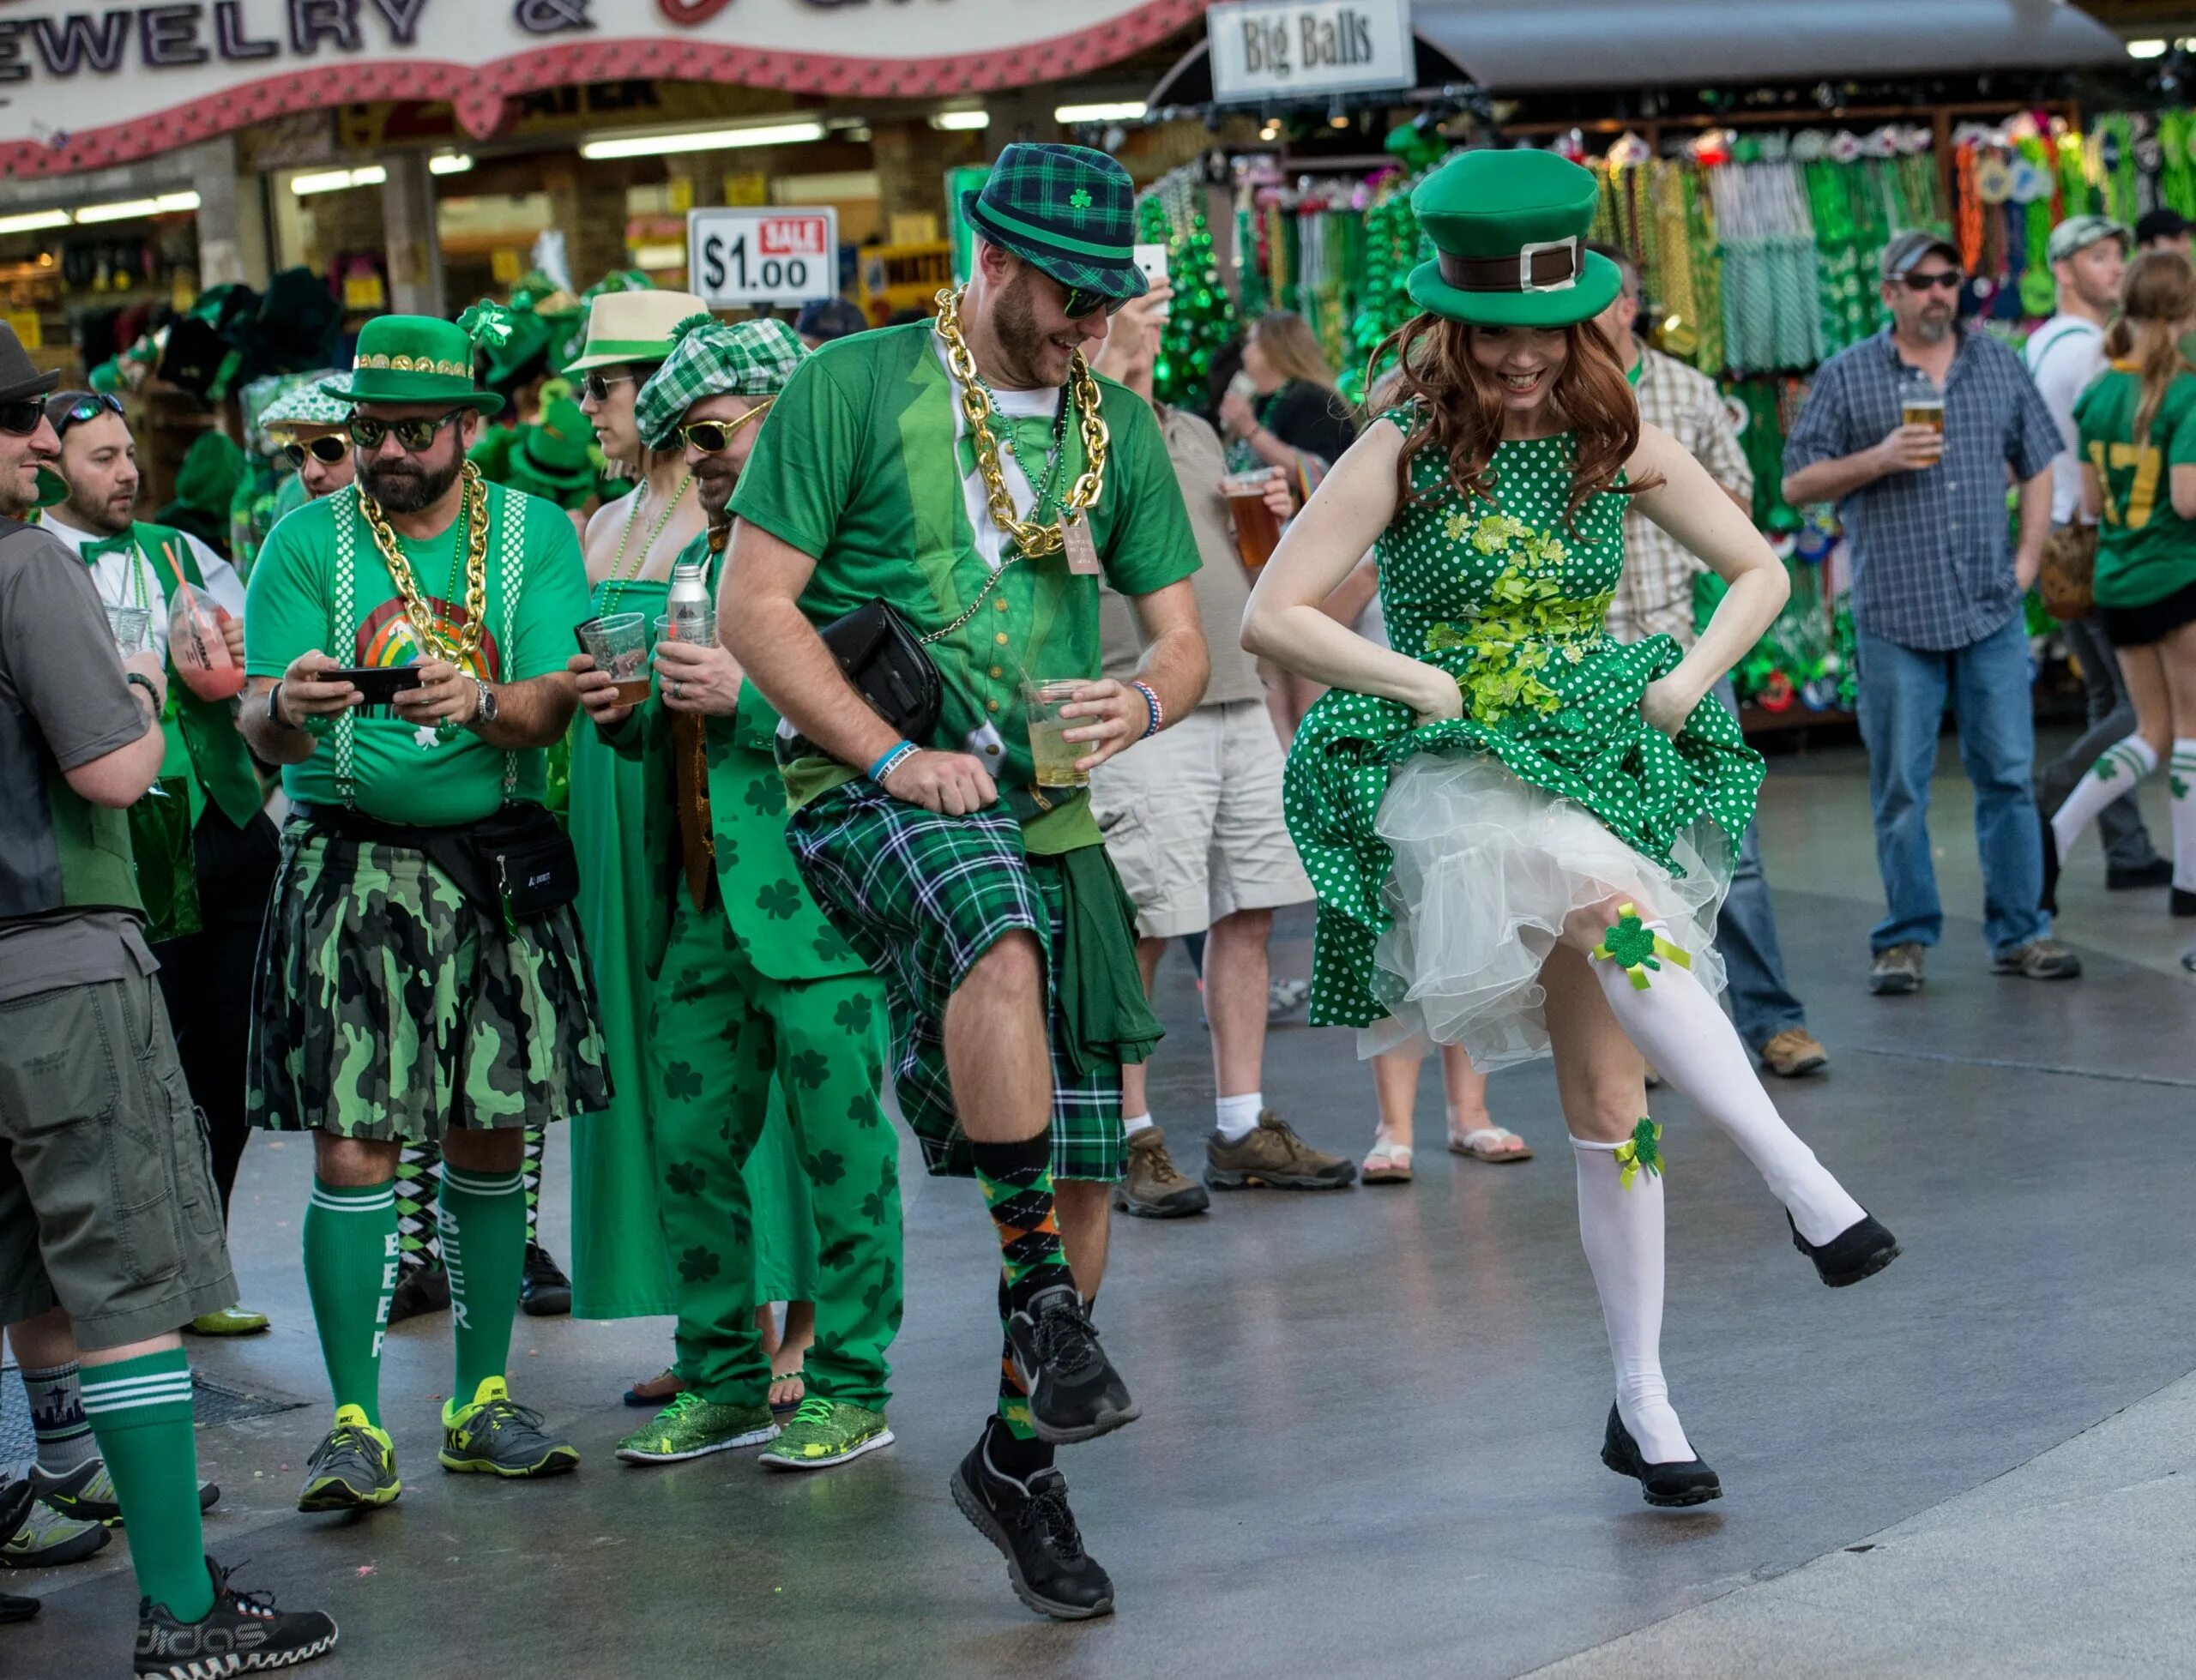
point(1552, 266)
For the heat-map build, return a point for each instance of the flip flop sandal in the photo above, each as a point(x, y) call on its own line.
point(1480, 1145)
point(779, 1408)
point(656, 1390)
point(1386, 1164)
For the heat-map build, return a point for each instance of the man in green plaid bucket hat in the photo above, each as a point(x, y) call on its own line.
point(764, 1055)
point(421, 978)
point(981, 448)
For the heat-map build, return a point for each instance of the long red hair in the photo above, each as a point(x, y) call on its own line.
point(1430, 364)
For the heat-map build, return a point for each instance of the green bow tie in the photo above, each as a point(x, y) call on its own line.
point(124, 543)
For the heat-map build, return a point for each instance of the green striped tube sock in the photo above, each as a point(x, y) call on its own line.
point(2118, 769)
point(2181, 779)
point(419, 1181)
point(484, 1247)
point(350, 1265)
point(537, 1141)
point(139, 1410)
point(64, 1437)
point(1017, 1183)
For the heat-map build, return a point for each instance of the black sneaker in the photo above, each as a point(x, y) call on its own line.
point(1030, 1524)
point(242, 1632)
point(420, 1290)
point(1074, 1393)
point(2158, 872)
point(15, 1502)
point(544, 1292)
point(13, 1608)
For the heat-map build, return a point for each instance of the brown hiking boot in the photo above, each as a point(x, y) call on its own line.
point(1896, 973)
point(1795, 1053)
point(1273, 1157)
point(1154, 1188)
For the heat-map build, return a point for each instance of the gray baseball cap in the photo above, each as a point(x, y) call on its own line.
point(2080, 232)
point(1909, 247)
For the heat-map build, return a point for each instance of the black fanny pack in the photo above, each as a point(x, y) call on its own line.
point(512, 866)
point(885, 662)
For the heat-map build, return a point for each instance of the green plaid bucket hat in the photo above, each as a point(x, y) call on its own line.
point(710, 358)
point(1068, 210)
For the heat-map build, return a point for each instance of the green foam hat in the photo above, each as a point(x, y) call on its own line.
point(1509, 229)
point(414, 358)
point(559, 448)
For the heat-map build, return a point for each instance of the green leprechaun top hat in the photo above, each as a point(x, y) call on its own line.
point(1508, 230)
point(1068, 210)
point(559, 448)
point(414, 358)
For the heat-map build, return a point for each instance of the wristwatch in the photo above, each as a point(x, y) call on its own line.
point(486, 711)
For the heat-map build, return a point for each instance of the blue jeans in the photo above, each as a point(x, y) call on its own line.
point(1903, 695)
point(1762, 1003)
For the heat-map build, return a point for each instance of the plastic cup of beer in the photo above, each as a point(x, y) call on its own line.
point(1258, 533)
point(1925, 408)
point(618, 644)
point(130, 625)
point(1050, 752)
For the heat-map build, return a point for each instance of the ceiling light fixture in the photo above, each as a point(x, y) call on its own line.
point(449, 163)
point(2152, 48)
point(336, 180)
point(1126, 110)
point(955, 122)
point(33, 220)
point(129, 209)
point(710, 140)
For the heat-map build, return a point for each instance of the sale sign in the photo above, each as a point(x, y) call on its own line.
point(741, 256)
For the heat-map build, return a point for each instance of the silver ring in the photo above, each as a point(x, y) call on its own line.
point(678, 689)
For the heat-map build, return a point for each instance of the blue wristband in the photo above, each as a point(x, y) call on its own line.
point(887, 761)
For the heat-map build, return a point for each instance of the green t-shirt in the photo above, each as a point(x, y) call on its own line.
point(2145, 550)
point(400, 773)
point(859, 466)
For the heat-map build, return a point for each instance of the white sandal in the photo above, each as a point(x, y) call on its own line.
point(1386, 1163)
point(1484, 1145)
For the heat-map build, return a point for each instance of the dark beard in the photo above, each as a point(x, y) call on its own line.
point(1014, 324)
point(408, 488)
point(714, 502)
point(93, 517)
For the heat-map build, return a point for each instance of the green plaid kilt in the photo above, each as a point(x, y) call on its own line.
point(920, 897)
point(385, 1005)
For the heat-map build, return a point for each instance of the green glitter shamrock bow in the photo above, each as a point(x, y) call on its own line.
point(488, 322)
point(1634, 946)
point(1644, 1148)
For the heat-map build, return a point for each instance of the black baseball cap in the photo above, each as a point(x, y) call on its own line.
point(1911, 246)
point(2160, 224)
point(828, 318)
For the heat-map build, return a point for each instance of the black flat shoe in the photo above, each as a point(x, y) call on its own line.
point(1861, 1251)
point(2158, 872)
point(2183, 903)
point(1692, 1483)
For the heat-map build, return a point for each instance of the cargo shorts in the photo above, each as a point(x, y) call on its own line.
point(108, 1205)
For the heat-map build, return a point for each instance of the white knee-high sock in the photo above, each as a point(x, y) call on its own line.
point(2118, 769)
point(1621, 1229)
point(1678, 1027)
point(2181, 778)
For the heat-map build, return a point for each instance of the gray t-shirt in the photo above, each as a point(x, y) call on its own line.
point(63, 702)
point(1221, 588)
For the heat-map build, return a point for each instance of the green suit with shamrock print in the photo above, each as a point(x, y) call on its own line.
point(752, 987)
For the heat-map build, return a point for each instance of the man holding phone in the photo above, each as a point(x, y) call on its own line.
point(421, 977)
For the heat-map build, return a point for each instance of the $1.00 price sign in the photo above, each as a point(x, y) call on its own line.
point(741, 255)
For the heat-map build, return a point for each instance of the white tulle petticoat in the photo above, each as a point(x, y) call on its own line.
point(1485, 869)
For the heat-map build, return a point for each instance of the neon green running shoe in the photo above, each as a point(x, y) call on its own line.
point(824, 1432)
point(352, 1469)
point(495, 1436)
point(692, 1428)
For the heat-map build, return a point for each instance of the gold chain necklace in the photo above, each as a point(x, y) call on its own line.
point(615, 590)
point(1032, 539)
point(472, 513)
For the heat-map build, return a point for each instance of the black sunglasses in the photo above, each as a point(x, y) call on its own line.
point(68, 408)
point(1949, 279)
point(1079, 301)
point(598, 388)
point(415, 435)
point(329, 449)
point(20, 419)
point(713, 437)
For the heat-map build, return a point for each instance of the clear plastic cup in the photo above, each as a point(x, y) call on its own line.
point(130, 626)
point(618, 645)
point(1054, 756)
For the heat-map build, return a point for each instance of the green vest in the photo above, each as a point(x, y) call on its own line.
point(97, 871)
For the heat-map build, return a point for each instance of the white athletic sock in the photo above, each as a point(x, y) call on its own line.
point(1236, 1117)
point(1621, 1231)
point(1133, 1123)
point(2181, 778)
point(2118, 769)
point(1679, 1028)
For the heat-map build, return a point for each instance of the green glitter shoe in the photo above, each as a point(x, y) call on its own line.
point(692, 1428)
point(825, 1432)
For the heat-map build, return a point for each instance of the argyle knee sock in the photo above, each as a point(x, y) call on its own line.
point(64, 1437)
point(1620, 1228)
point(419, 1181)
point(139, 1410)
point(1017, 1181)
point(2180, 779)
point(537, 1141)
point(484, 1247)
point(2118, 769)
point(351, 1268)
point(1673, 1022)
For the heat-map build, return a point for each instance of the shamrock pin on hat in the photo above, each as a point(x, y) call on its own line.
point(414, 358)
point(1509, 229)
point(1067, 209)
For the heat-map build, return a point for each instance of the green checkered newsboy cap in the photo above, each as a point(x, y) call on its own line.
point(710, 358)
point(1068, 210)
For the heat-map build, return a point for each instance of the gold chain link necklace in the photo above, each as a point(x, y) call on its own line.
point(1033, 540)
point(472, 515)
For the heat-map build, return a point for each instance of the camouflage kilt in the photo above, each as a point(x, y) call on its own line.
point(384, 1005)
point(920, 897)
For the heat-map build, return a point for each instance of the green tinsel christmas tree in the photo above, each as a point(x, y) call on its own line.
point(1202, 319)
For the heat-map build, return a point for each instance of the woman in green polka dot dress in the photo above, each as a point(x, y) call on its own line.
point(1519, 828)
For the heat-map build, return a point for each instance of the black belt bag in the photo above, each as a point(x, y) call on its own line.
point(512, 866)
point(884, 661)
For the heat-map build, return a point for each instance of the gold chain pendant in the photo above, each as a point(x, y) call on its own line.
point(472, 513)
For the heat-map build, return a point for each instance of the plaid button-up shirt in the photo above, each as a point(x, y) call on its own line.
point(1932, 564)
point(1653, 596)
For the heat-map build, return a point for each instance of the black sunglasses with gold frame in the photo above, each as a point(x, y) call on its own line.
point(713, 437)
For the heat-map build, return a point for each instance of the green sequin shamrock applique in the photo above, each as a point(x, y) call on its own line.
point(1080, 198)
point(1634, 946)
point(1643, 1150)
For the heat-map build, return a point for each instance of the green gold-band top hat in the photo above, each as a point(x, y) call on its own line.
point(1067, 210)
point(1508, 229)
point(414, 358)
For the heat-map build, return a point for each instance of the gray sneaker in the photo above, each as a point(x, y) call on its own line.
point(2039, 960)
point(1896, 971)
point(46, 1539)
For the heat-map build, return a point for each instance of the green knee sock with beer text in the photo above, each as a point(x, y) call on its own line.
point(139, 1410)
point(484, 1248)
point(351, 1264)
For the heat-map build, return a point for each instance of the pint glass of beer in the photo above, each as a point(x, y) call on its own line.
point(1258, 533)
point(1924, 405)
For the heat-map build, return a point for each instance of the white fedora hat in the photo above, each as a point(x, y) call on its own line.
point(633, 326)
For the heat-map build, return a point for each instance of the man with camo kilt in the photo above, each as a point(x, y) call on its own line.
point(421, 977)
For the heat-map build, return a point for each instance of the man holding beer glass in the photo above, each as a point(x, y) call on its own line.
point(1911, 433)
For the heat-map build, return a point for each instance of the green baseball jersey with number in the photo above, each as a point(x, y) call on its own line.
point(2145, 550)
